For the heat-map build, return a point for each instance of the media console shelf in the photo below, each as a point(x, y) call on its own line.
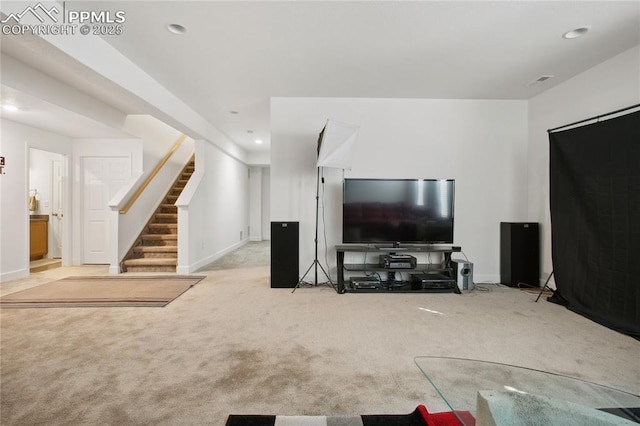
point(377, 278)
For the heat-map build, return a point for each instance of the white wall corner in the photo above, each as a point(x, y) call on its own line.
point(207, 260)
point(114, 224)
point(183, 239)
point(14, 275)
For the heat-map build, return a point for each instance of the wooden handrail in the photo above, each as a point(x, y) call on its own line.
point(149, 178)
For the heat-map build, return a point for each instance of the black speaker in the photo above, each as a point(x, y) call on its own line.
point(285, 263)
point(519, 254)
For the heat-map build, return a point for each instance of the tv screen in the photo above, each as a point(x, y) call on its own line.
point(417, 211)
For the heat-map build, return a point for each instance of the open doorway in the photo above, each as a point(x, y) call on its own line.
point(47, 171)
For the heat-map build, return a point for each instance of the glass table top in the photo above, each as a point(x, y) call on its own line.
point(457, 382)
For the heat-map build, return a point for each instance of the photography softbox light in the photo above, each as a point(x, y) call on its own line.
point(336, 145)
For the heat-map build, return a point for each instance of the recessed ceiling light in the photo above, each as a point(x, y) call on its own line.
point(258, 141)
point(576, 32)
point(250, 131)
point(9, 107)
point(177, 28)
point(540, 79)
point(233, 112)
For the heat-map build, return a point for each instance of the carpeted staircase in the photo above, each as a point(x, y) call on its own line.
point(156, 249)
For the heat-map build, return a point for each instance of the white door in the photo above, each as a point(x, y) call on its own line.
point(57, 212)
point(102, 178)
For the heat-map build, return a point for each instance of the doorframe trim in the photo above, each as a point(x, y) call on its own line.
point(67, 196)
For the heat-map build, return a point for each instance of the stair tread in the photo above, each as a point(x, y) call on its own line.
point(156, 249)
point(135, 269)
point(163, 225)
point(152, 261)
point(160, 236)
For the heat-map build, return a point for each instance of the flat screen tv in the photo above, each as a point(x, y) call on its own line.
point(414, 211)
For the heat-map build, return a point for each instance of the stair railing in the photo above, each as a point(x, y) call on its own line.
point(153, 174)
point(129, 217)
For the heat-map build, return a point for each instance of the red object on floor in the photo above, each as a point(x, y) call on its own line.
point(446, 418)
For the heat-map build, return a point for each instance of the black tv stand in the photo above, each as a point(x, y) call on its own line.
point(442, 269)
point(391, 250)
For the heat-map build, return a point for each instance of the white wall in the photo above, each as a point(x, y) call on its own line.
point(481, 144)
point(259, 187)
point(259, 159)
point(227, 208)
point(158, 138)
point(609, 86)
point(255, 196)
point(15, 141)
point(218, 211)
point(266, 204)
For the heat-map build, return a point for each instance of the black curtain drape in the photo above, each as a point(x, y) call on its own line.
point(595, 220)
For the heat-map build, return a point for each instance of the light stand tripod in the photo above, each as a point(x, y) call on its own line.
point(335, 150)
point(315, 262)
point(546, 285)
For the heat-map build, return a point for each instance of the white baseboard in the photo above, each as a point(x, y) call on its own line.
point(495, 279)
point(486, 279)
point(182, 270)
point(14, 275)
point(188, 269)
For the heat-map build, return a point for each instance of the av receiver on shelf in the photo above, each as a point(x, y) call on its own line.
point(365, 282)
point(432, 281)
point(397, 261)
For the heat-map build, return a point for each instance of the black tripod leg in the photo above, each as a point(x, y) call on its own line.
point(328, 277)
point(304, 275)
point(546, 285)
point(315, 262)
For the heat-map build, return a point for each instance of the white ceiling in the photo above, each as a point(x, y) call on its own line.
point(236, 55)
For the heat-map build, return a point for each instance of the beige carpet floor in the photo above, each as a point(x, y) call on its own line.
point(232, 344)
